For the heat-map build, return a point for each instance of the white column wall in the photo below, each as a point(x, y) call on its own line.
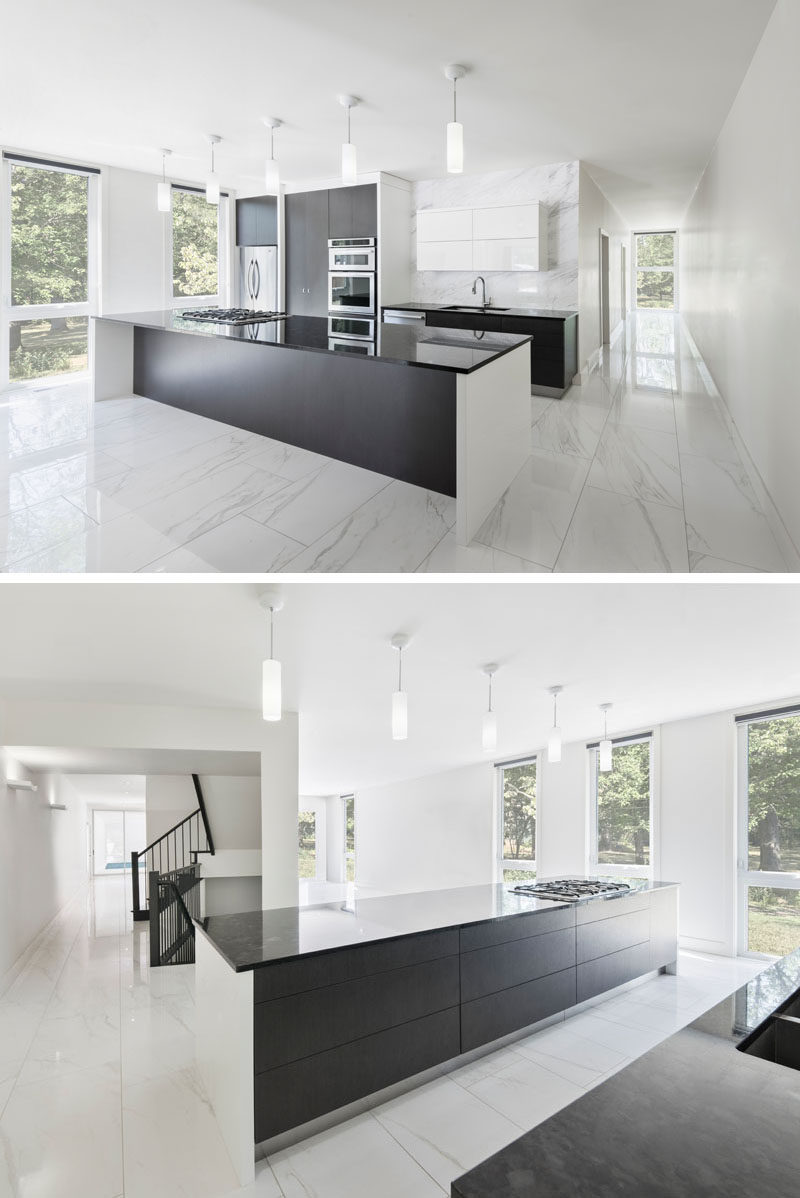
point(596, 212)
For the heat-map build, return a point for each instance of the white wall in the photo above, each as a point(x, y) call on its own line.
point(169, 798)
point(133, 243)
point(596, 212)
point(562, 814)
point(555, 186)
point(427, 834)
point(740, 261)
point(42, 856)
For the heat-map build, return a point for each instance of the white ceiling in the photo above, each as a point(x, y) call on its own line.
point(638, 90)
point(658, 651)
point(94, 767)
point(119, 790)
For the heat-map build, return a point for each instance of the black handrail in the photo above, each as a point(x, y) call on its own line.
point(174, 849)
point(202, 808)
point(171, 921)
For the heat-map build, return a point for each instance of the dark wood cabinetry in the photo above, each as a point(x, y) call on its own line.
point(307, 253)
point(257, 221)
point(353, 211)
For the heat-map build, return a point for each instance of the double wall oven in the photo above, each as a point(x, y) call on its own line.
point(352, 299)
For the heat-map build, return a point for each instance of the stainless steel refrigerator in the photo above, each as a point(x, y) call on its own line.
point(258, 278)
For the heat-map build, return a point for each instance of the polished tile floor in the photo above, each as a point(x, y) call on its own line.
point(633, 471)
point(100, 1098)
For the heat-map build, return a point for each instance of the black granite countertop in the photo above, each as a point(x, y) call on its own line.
point(692, 1118)
point(547, 313)
point(459, 351)
point(252, 939)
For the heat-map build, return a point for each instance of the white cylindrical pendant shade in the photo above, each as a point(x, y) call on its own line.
point(455, 148)
point(606, 755)
point(272, 177)
point(164, 197)
point(489, 732)
point(271, 689)
point(399, 715)
point(554, 746)
point(212, 188)
point(349, 167)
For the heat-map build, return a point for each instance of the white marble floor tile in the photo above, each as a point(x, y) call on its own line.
point(359, 1159)
point(393, 531)
point(531, 519)
point(80, 1041)
point(308, 508)
point(35, 529)
point(592, 391)
point(63, 1137)
point(121, 545)
point(264, 1186)
point(156, 1039)
point(655, 374)
point(702, 563)
point(617, 533)
point(641, 410)
point(286, 460)
point(627, 1040)
point(639, 462)
point(486, 1066)
point(572, 1057)
point(539, 405)
point(631, 1013)
point(243, 545)
point(179, 561)
point(450, 557)
point(702, 432)
point(27, 487)
point(569, 427)
point(445, 1128)
point(525, 1092)
point(723, 517)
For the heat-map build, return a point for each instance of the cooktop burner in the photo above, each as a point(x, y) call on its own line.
point(231, 315)
point(570, 890)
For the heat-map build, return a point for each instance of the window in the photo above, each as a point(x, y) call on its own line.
point(198, 246)
point(517, 830)
point(769, 833)
point(307, 844)
point(621, 801)
point(656, 277)
point(49, 270)
point(349, 804)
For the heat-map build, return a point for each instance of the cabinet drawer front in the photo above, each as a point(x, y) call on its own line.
point(544, 332)
point(517, 927)
point(287, 1029)
point(609, 935)
point(599, 909)
point(548, 374)
point(496, 1015)
point(342, 965)
point(595, 977)
point(512, 221)
point(455, 224)
point(293, 1094)
point(519, 254)
point(487, 970)
point(444, 255)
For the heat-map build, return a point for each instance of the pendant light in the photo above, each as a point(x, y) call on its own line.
point(399, 697)
point(164, 188)
point(455, 131)
point(271, 701)
point(272, 177)
point(349, 166)
point(554, 739)
point(489, 727)
point(606, 749)
point(212, 178)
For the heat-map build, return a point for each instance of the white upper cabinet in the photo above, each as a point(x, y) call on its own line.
point(508, 237)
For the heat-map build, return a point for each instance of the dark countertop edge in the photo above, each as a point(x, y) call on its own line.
point(499, 351)
point(448, 927)
point(531, 313)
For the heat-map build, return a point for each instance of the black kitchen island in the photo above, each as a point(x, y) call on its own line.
point(305, 1010)
point(444, 410)
point(709, 1112)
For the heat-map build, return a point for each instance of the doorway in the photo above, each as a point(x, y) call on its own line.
point(623, 268)
point(115, 835)
point(605, 291)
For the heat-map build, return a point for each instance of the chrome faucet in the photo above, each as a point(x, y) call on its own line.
point(480, 279)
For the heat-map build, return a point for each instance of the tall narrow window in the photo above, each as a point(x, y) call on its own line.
point(517, 830)
point(621, 801)
point(656, 278)
point(349, 804)
point(769, 833)
point(48, 278)
point(307, 844)
point(198, 245)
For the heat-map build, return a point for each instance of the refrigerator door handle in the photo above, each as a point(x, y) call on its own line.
point(249, 273)
point(257, 290)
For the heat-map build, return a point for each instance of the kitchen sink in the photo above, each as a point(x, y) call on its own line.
point(472, 308)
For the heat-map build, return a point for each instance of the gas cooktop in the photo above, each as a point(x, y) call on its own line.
point(231, 315)
point(570, 890)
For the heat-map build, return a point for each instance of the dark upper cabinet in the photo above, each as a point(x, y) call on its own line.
point(257, 221)
point(353, 211)
point(306, 216)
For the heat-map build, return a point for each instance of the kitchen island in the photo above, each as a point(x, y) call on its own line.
point(442, 409)
point(303, 1011)
point(692, 1118)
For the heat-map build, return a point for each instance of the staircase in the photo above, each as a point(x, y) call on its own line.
point(173, 885)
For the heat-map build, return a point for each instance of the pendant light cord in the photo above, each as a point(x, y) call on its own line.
point(555, 711)
point(490, 692)
point(455, 118)
point(399, 669)
point(271, 634)
point(163, 168)
point(348, 142)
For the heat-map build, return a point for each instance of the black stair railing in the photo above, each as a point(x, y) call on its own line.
point(174, 903)
point(174, 850)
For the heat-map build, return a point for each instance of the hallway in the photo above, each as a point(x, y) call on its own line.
point(633, 471)
point(100, 1098)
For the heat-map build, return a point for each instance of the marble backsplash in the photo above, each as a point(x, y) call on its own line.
point(555, 186)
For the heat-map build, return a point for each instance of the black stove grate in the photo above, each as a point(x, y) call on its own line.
point(230, 315)
point(570, 890)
